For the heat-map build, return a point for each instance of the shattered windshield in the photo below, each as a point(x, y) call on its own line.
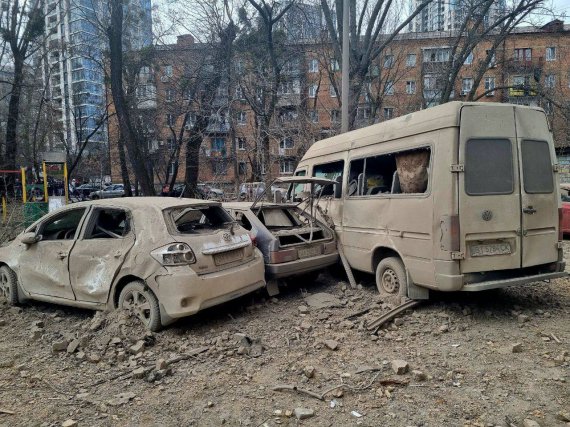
point(196, 219)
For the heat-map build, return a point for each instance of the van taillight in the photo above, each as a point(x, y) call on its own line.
point(277, 257)
point(560, 232)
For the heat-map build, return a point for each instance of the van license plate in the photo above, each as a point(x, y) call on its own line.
point(490, 249)
point(227, 257)
point(309, 252)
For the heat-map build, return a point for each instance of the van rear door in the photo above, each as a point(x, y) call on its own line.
point(539, 198)
point(489, 189)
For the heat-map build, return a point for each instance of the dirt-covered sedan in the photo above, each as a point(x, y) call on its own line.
point(160, 258)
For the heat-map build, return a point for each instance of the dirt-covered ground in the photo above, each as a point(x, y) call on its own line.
point(497, 358)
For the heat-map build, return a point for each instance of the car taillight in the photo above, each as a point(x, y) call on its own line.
point(174, 254)
point(253, 239)
point(277, 257)
point(560, 218)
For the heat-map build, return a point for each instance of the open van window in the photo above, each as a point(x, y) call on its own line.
point(403, 172)
point(331, 170)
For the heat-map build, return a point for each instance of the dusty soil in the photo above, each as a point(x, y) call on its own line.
point(497, 358)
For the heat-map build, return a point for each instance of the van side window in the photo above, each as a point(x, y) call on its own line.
point(537, 167)
point(488, 167)
point(330, 171)
point(403, 172)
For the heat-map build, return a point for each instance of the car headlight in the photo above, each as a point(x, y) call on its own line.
point(174, 254)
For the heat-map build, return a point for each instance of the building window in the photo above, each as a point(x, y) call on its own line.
point(169, 97)
point(388, 113)
point(524, 54)
point(242, 168)
point(548, 108)
point(388, 61)
point(241, 144)
point(466, 85)
point(410, 87)
point(551, 54)
point(168, 70)
point(170, 120)
point(436, 54)
point(490, 86)
point(218, 147)
point(313, 91)
point(286, 143)
point(314, 116)
point(241, 117)
point(411, 60)
point(332, 91)
point(363, 113)
point(549, 81)
point(286, 166)
point(314, 66)
point(335, 116)
point(492, 60)
point(220, 167)
point(170, 144)
point(335, 65)
point(389, 88)
point(469, 59)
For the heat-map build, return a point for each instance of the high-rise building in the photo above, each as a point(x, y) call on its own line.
point(73, 63)
point(440, 15)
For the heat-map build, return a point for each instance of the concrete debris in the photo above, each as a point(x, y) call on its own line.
point(516, 348)
point(139, 373)
point(59, 346)
point(303, 413)
point(398, 321)
point(303, 309)
point(137, 347)
point(563, 416)
point(3, 322)
point(523, 318)
point(80, 355)
point(400, 367)
point(15, 310)
point(443, 328)
point(161, 364)
point(356, 414)
point(97, 322)
point(530, 423)
point(6, 363)
point(121, 399)
point(306, 325)
point(38, 324)
point(322, 300)
point(69, 423)
point(331, 344)
point(309, 371)
point(94, 358)
point(73, 346)
point(418, 375)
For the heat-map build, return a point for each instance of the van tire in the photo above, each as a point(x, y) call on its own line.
point(140, 301)
point(391, 279)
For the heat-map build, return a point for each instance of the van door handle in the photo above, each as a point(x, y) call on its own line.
point(530, 210)
point(62, 255)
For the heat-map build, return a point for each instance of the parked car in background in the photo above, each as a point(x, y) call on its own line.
point(565, 196)
point(292, 240)
point(113, 190)
point(204, 191)
point(83, 191)
point(159, 258)
point(249, 191)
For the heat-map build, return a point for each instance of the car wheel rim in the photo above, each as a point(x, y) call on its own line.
point(4, 285)
point(390, 282)
point(138, 305)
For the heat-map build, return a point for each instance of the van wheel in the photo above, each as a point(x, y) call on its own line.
point(139, 301)
point(9, 285)
point(391, 278)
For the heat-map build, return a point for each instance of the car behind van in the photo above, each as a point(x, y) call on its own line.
point(459, 197)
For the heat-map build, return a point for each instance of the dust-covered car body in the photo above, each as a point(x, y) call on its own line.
point(292, 240)
point(187, 254)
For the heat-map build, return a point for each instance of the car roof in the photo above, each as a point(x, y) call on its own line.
point(247, 205)
point(146, 202)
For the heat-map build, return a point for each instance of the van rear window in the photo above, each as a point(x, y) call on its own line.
point(488, 167)
point(537, 167)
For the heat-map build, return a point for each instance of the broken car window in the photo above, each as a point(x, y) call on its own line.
point(108, 224)
point(331, 171)
point(62, 227)
point(194, 219)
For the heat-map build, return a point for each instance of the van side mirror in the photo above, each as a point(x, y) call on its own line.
point(338, 187)
point(30, 238)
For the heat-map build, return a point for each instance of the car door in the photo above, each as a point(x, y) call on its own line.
point(44, 265)
point(100, 252)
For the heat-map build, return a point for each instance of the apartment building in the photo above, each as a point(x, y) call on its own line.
point(530, 67)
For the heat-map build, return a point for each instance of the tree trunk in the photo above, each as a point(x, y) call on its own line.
point(192, 165)
point(12, 122)
point(124, 169)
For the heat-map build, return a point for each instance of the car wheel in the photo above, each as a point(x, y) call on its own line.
point(8, 285)
point(139, 301)
point(391, 278)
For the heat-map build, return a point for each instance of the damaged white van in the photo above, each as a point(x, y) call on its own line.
point(459, 197)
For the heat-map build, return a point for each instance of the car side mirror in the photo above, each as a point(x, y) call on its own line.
point(30, 238)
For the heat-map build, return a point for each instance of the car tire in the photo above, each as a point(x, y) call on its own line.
point(140, 301)
point(9, 285)
point(391, 279)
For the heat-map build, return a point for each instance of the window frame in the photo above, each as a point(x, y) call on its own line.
point(94, 216)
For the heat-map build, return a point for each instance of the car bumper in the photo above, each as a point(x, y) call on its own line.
point(181, 292)
point(300, 266)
